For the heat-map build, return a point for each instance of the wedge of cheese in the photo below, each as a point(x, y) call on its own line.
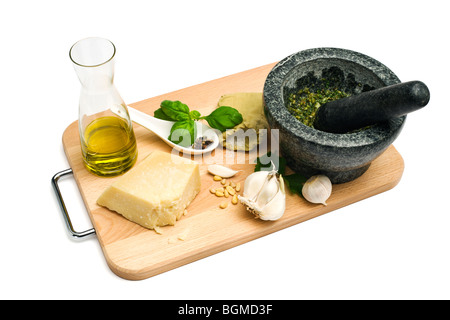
point(156, 192)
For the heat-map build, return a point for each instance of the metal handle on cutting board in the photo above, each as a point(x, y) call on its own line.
point(75, 234)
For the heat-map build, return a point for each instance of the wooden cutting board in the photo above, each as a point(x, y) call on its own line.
point(133, 252)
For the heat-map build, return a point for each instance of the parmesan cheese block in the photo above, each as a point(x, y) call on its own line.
point(156, 192)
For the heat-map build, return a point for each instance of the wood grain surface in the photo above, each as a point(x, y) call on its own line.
point(133, 252)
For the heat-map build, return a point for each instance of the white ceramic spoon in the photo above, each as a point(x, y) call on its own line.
point(162, 129)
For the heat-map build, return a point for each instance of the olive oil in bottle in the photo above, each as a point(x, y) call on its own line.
point(108, 146)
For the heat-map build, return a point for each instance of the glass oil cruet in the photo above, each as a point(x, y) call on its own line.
point(108, 144)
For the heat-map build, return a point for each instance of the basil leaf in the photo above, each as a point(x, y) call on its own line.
point(194, 115)
point(223, 118)
point(161, 115)
point(175, 110)
point(295, 183)
point(264, 163)
point(183, 133)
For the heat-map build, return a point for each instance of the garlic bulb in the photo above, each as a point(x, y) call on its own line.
point(221, 171)
point(264, 195)
point(317, 189)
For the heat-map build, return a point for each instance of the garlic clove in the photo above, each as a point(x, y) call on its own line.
point(317, 189)
point(274, 210)
point(264, 195)
point(221, 171)
point(268, 191)
point(253, 183)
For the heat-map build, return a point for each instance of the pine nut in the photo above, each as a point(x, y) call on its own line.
point(235, 199)
point(219, 194)
point(217, 178)
point(223, 205)
point(231, 190)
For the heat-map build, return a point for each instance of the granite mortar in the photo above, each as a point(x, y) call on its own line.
point(342, 157)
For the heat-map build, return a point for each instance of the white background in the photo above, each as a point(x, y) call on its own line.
point(392, 246)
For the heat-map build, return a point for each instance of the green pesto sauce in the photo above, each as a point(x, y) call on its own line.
point(304, 103)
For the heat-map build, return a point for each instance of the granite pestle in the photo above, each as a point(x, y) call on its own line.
point(371, 107)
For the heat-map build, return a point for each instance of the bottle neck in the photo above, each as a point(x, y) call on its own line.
point(96, 78)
